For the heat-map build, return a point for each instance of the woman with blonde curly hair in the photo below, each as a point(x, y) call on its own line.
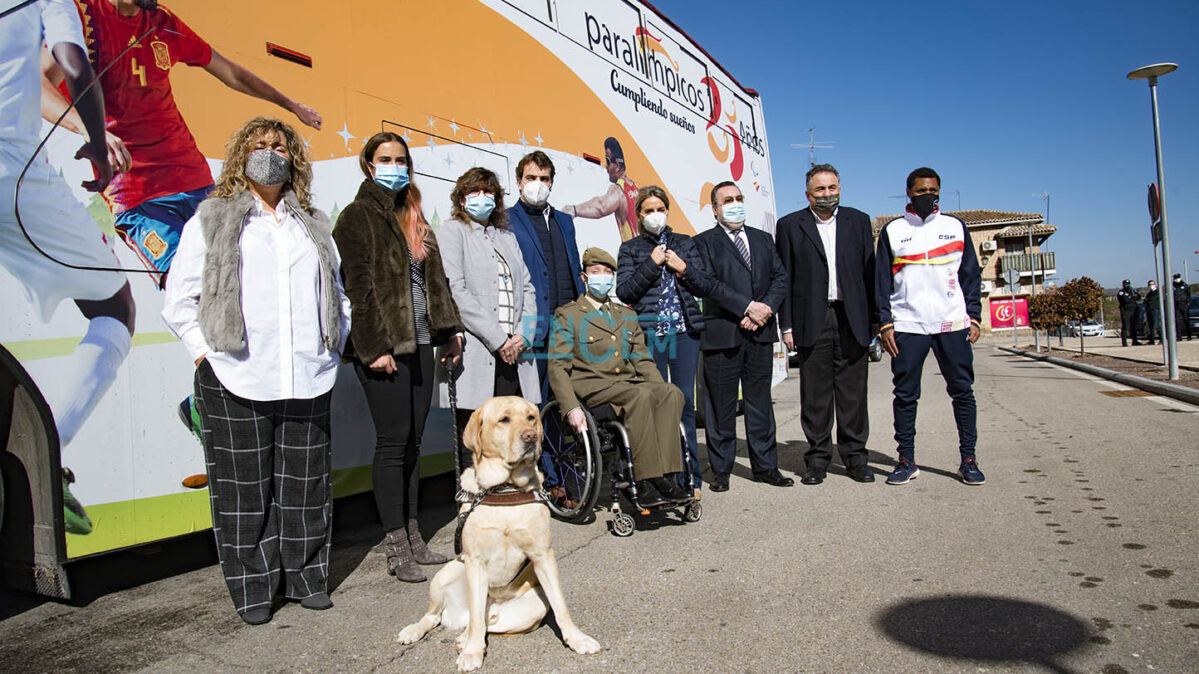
point(402, 311)
point(255, 296)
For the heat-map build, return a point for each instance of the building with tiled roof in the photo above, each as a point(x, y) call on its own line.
point(1001, 240)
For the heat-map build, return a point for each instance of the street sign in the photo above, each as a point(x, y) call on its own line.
point(1012, 278)
point(1155, 203)
point(1155, 232)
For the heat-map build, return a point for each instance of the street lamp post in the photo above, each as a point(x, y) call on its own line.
point(1151, 73)
point(1036, 262)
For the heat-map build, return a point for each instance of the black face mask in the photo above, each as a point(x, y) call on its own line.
point(925, 204)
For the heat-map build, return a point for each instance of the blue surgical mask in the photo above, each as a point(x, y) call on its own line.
point(391, 177)
point(599, 285)
point(733, 212)
point(480, 206)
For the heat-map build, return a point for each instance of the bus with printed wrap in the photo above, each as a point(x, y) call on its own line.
point(467, 83)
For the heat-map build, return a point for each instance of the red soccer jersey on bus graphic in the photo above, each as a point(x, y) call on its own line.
point(628, 228)
point(137, 97)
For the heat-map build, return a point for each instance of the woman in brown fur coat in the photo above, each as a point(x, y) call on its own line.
point(402, 309)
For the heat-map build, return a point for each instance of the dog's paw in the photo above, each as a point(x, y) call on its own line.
point(469, 662)
point(582, 644)
point(410, 634)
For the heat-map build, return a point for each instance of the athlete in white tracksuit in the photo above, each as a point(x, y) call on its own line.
point(929, 296)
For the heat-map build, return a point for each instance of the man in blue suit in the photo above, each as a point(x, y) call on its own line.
point(547, 244)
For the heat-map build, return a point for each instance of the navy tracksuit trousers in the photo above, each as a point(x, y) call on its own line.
point(955, 356)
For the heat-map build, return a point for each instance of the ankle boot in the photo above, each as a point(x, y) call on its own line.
point(421, 552)
point(400, 562)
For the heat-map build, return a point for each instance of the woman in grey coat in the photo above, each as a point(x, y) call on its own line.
point(494, 294)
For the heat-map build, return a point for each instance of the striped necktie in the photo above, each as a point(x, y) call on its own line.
point(742, 248)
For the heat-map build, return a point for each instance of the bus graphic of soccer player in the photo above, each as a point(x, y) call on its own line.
point(161, 175)
point(65, 232)
point(618, 200)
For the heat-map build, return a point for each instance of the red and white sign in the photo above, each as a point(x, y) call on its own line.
point(1003, 311)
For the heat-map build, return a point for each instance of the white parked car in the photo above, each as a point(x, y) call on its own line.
point(1088, 329)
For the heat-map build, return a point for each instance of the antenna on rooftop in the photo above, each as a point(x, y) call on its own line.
point(812, 145)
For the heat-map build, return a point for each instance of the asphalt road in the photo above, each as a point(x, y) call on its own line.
point(1078, 555)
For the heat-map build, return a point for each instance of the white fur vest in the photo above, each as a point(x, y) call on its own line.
point(220, 312)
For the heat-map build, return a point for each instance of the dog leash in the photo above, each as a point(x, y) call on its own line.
point(452, 386)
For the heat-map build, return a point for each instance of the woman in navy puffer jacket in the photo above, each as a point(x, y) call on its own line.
point(660, 275)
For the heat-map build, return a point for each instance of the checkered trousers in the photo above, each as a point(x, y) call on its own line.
point(268, 481)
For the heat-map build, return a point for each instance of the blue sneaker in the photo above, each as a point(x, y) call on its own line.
point(904, 472)
point(970, 473)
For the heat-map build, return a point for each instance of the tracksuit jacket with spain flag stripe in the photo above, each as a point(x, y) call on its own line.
point(928, 280)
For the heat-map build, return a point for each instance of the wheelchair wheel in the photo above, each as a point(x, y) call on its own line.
point(693, 512)
point(572, 466)
point(623, 525)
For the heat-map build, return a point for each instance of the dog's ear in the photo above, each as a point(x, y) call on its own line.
point(470, 436)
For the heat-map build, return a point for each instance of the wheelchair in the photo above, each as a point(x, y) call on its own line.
point(573, 466)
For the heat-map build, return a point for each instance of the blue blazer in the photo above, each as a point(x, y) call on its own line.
point(535, 260)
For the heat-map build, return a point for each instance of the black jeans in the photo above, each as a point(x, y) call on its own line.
point(399, 405)
point(506, 384)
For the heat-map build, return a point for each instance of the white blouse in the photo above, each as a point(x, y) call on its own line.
point(285, 355)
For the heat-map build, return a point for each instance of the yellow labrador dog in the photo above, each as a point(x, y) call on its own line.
point(490, 588)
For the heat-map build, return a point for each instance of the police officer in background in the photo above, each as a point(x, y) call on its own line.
point(1153, 314)
point(1182, 302)
point(1129, 298)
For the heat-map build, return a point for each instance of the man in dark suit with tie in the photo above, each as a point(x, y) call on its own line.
point(828, 252)
point(547, 243)
point(747, 287)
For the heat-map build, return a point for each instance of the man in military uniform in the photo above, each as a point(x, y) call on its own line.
point(1153, 314)
point(1182, 303)
point(1129, 298)
point(598, 355)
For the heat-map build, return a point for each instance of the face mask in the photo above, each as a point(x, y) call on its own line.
point(826, 204)
point(733, 213)
point(925, 205)
point(599, 285)
point(1153, 286)
point(654, 223)
point(391, 177)
point(268, 168)
point(480, 206)
point(535, 193)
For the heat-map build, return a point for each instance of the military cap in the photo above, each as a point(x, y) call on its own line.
point(596, 255)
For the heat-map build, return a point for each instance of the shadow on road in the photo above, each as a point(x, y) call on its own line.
point(985, 629)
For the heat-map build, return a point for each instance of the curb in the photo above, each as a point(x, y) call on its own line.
point(1183, 393)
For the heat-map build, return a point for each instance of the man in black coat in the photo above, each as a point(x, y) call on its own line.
point(747, 286)
point(1153, 314)
point(1182, 304)
point(1129, 299)
point(828, 251)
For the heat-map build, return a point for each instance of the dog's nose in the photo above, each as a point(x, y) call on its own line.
point(528, 435)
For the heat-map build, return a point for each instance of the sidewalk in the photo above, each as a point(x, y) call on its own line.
point(1188, 352)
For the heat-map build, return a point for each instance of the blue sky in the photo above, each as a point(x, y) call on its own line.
point(1003, 99)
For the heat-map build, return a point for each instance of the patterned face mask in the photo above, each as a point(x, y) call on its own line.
point(268, 168)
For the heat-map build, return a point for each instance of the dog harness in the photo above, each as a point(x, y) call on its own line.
point(505, 494)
